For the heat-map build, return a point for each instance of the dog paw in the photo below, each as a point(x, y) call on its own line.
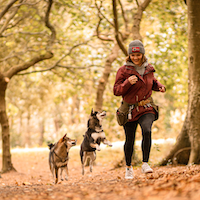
point(55, 182)
point(98, 149)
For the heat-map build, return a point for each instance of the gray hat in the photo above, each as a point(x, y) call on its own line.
point(136, 46)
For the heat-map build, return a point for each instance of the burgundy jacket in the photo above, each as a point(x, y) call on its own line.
point(139, 91)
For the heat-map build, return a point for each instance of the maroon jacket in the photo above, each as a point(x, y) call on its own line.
point(141, 90)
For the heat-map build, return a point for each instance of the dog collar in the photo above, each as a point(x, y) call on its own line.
point(62, 160)
point(99, 131)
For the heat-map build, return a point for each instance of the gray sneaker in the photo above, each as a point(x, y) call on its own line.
point(146, 168)
point(129, 173)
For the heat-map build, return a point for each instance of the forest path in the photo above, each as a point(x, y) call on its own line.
point(33, 181)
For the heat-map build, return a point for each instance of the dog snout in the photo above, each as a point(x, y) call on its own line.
point(74, 142)
point(103, 114)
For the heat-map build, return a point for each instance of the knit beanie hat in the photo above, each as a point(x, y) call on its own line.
point(136, 46)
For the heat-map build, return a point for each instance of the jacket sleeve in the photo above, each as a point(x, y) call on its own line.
point(122, 84)
point(156, 84)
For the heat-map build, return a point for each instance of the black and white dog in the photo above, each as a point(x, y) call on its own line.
point(92, 138)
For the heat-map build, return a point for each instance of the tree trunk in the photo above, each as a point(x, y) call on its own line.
point(6, 161)
point(182, 144)
point(104, 79)
point(191, 128)
point(120, 45)
point(194, 79)
point(41, 131)
point(12, 71)
point(28, 128)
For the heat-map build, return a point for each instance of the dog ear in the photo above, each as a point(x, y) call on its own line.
point(64, 136)
point(62, 139)
point(50, 145)
point(92, 112)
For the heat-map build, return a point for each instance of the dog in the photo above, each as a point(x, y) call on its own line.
point(59, 157)
point(92, 138)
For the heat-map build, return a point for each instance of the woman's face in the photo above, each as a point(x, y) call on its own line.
point(136, 58)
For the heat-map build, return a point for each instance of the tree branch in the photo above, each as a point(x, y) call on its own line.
point(16, 69)
point(137, 20)
point(98, 32)
point(48, 24)
point(124, 15)
point(9, 5)
point(72, 67)
point(100, 13)
point(10, 17)
point(137, 3)
point(60, 66)
point(9, 57)
point(3, 28)
point(16, 23)
point(115, 16)
point(145, 4)
point(28, 4)
point(56, 64)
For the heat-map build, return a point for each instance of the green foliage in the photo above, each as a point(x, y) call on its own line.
point(167, 47)
point(66, 94)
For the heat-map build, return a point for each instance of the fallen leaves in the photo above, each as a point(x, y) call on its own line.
point(26, 183)
point(36, 183)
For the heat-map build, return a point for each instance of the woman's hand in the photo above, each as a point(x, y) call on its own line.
point(133, 79)
point(162, 89)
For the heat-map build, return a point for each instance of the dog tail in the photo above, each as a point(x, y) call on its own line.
point(50, 145)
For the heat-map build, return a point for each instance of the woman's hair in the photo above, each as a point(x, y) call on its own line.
point(129, 59)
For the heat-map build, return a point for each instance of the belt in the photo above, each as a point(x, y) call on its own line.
point(145, 103)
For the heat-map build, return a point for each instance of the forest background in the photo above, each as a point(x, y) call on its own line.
point(56, 96)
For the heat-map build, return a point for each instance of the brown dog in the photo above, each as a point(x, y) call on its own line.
point(59, 156)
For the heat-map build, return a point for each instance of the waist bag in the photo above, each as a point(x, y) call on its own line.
point(124, 112)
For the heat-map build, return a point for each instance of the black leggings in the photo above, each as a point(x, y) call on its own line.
point(145, 122)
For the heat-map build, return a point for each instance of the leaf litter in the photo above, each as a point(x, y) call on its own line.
point(33, 181)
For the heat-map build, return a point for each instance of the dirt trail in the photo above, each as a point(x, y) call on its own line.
point(33, 181)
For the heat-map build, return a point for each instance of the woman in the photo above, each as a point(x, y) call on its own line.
point(134, 82)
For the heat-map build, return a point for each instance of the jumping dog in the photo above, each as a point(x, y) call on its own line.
point(59, 157)
point(92, 138)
